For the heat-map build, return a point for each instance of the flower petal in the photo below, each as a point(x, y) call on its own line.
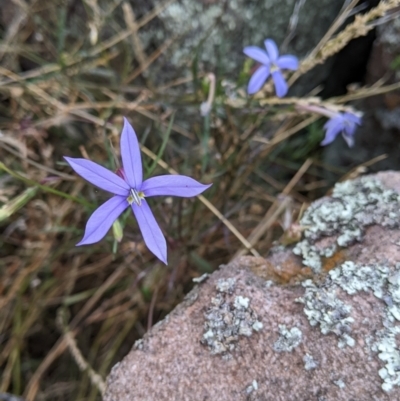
point(332, 131)
point(272, 50)
point(173, 185)
point(258, 79)
point(102, 219)
point(99, 176)
point(349, 139)
point(152, 234)
point(131, 157)
point(281, 87)
point(288, 62)
point(335, 121)
point(349, 128)
point(257, 54)
point(352, 117)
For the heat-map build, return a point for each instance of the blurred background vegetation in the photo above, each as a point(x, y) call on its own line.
point(69, 71)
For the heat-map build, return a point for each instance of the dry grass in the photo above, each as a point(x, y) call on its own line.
point(68, 314)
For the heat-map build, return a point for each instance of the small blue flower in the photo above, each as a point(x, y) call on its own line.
point(271, 64)
point(345, 123)
point(130, 190)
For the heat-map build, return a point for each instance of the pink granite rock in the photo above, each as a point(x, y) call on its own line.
point(328, 335)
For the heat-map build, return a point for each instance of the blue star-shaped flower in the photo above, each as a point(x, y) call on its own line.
point(345, 123)
point(129, 189)
point(271, 64)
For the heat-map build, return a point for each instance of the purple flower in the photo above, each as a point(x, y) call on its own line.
point(271, 64)
point(345, 123)
point(129, 189)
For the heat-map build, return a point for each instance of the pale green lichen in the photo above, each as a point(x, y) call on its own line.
point(253, 387)
point(226, 321)
point(376, 278)
point(309, 362)
point(352, 278)
point(323, 307)
point(340, 383)
point(342, 220)
point(288, 339)
point(241, 302)
point(257, 326)
point(390, 354)
point(226, 285)
point(384, 283)
point(353, 206)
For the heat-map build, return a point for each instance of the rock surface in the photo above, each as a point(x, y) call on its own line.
point(275, 329)
point(216, 31)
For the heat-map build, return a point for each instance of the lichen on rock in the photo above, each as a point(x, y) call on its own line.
point(353, 206)
point(390, 354)
point(309, 362)
point(288, 339)
point(337, 334)
point(384, 283)
point(227, 320)
point(342, 220)
point(353, 278)
point(253, 387)
point(226, 286)
point(323, 307)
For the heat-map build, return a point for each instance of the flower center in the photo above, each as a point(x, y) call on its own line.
point(273, 68)
point(135, 197)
